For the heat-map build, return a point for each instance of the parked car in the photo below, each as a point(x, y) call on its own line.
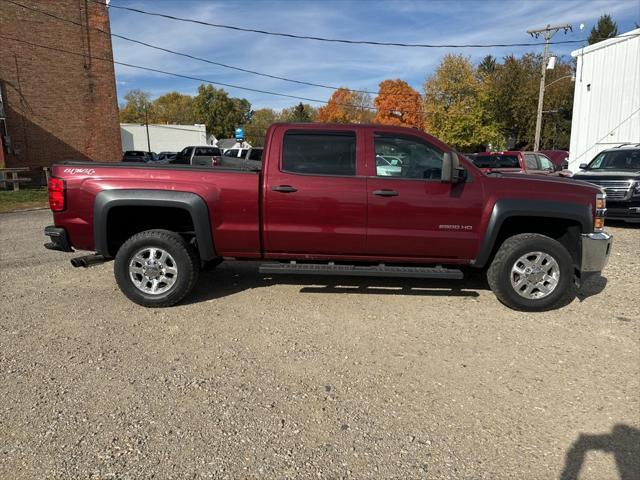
point(514, 161)
point(319, 206)
point(236, 152)
point(206, 156)
point(386, 167)
point(617, 171)
point(166, 156)
point(252, 160)
point(137, 156)
point(560, 158)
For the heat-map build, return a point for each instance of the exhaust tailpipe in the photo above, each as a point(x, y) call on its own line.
point(88, 260)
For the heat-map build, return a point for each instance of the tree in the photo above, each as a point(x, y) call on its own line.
point(136, 104)
point(398, 104)
point(303, 112)
point(456, 106)
point(174, 108)
point(511, 97)
point(256, 129)
point(488, 65)
point(220, 113)
point(346, 106)
point(605, 28)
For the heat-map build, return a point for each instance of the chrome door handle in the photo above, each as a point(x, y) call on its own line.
point(284, 189)
point(386, 193)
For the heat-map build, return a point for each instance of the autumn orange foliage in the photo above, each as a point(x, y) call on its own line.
point(399, 104)
point(346, 106)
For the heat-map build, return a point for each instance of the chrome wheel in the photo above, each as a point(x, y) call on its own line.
point(535, 275)
point(153, 270)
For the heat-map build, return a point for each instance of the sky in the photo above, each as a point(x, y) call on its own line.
point(360, 67)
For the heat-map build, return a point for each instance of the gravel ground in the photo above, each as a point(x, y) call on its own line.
point(255, 377)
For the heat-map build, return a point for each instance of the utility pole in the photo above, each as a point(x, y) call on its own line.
point(547, 32)
point(146, 123)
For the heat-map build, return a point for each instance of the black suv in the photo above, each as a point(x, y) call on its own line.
point(617, 171)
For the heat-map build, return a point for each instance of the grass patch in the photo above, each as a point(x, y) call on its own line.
point(11, 201)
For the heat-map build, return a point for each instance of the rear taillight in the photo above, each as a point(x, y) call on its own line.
point(215, 161)
point(57, 194)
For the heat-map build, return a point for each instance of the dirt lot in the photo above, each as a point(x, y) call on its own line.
point(311, 378)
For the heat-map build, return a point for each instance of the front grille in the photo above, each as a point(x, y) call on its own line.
point(615, 189)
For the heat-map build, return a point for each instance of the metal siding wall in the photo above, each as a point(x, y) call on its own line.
point(172, 138)
point(608, 114)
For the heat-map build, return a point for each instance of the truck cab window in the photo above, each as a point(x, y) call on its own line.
point(320, 153)
point(545, 163)
point(404, 157)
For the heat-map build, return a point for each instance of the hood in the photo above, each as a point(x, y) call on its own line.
point(542, 183)
point(603, 175)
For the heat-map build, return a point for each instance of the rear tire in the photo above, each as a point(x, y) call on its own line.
point(156, 268)
point(532, 272)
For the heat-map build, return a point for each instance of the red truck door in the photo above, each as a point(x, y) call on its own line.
point(410, 212)
point(314, 198)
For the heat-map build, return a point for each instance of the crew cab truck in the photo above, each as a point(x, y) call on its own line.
point(320, 206)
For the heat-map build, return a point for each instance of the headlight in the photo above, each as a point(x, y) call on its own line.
point(636, 189)
point(601, 211)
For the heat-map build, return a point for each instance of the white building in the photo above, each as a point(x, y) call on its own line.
point(606, 100)
point(162, 138)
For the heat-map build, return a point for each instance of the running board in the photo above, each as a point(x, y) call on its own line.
point(381, 270)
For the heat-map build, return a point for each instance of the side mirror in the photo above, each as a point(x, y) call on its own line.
point(583, 166)
point(452, 172)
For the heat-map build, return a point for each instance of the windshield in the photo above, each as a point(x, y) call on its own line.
point(496, 161)
point(617, 160)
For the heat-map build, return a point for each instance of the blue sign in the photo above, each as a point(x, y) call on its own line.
point(240, 134)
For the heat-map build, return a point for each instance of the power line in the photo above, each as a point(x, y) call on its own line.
point(204, 80)
point(200, 59)
point(325, 39)
point(187, 55)
point(212, 62)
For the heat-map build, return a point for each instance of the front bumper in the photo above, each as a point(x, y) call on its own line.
point(596, 248)
point(59, 239)
point(624, 211)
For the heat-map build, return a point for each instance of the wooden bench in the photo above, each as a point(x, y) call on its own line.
point(15, 179)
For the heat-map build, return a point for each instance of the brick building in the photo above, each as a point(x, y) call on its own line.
point(57, 105)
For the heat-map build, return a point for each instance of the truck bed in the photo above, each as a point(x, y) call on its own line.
point(231, 196)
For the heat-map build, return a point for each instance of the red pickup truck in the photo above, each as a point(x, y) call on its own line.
point(322, 204)
point(515, 161)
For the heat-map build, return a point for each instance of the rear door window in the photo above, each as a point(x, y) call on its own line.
point(321, 153)
point(207, 151)
point(496, 161)
point(531, 162)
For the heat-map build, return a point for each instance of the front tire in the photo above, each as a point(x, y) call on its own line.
point(156, 268)
point(532, 272)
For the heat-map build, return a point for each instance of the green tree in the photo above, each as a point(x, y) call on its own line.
point(512, 100)
point(301, 113)
point(220, 113)
point(488, 65)
point(256, 129)
point(455, 105)
point(174, 108)
point(605, 28)
point(136, 103)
